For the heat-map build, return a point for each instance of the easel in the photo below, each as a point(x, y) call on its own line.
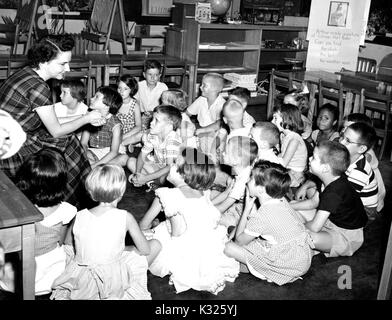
point(103, 30)
point(26, 17)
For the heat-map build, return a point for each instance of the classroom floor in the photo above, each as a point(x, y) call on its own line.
point(321, 281)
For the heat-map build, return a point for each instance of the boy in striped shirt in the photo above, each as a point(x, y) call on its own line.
point(359, 138)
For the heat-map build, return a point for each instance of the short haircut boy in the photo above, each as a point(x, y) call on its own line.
point(106, 183)
point(246, 149)
point(274, 177)
point(176, 97)
point(152, 64)
point(76, 89)
point(367, 134)
point(269, 132)
point(232, 107)
point(242, 93)
point(335, 155)
point(198, 170)
point(111, 98)
point(216, 80)
point(173, 114)
point(358, 117)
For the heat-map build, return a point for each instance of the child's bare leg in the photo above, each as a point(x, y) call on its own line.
point(131, 164)
point(322, 241)
point(155, 248)
point(120, 160)
point(235, 251)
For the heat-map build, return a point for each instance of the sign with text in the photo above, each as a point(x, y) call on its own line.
point(336, 30)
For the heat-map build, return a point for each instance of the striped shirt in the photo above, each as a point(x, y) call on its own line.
point(162, 150)
point(362, 178)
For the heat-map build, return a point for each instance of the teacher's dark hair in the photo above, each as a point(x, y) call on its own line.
point(48, 48)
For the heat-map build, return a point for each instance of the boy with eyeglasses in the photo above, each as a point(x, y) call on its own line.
point(359, 138)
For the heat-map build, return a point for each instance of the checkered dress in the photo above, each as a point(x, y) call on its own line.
point(20, 94)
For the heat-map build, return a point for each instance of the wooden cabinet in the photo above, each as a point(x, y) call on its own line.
point(279, 51)
point(215, 47)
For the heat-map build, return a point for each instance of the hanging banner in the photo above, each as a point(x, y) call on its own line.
point(336, 29)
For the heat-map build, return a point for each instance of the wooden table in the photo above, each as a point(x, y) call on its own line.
point(17, 231)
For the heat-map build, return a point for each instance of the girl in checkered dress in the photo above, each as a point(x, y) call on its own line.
point(43, 179)
point(271, 243)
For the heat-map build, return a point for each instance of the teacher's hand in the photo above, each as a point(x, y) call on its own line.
point(95, 118)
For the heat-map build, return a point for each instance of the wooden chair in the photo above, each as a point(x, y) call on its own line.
point(331, 91)
point(177, 71)
point(366, 65)
point(9, 36)
point(377, 107)
point(281, 81)
point(14, 65)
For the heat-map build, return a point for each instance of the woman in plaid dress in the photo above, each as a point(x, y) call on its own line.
point(272, 242)
point(26, 96)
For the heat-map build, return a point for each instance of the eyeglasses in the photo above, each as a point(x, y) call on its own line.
point(344, 138)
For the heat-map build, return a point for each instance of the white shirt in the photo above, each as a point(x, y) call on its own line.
point(63, 112)
point(206, 115)
point(148, 99)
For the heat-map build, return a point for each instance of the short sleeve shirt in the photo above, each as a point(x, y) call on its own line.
point(206, 114)
point(148, 99)
point(162, 151)
point(62, 111)
point(344, 205)
point(101, 137)
point(240, 182)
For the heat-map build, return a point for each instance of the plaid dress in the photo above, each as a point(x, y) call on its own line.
point(20, 95)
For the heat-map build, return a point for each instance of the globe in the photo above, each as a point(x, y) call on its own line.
point(219, 7)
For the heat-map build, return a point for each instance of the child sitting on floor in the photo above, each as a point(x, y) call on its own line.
point(192, 241)
point(293, 151)
point(101, 267)
point(243, 95)
point(102, 144)
point(208, 108)
point(177, 98)
point(150, 91)
point(233, 115)
point(129, 113)
point(164, 141)
point(43, 179)
point(336, 217)
point(359, 137)
point(272, 243)
point(267, 137)
point(370, 155)
point(240, 154)
point(71, 106)
point(327, 124)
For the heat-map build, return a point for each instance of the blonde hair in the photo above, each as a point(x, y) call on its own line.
point(217, 81)
point(106, 183)
point(176, 98)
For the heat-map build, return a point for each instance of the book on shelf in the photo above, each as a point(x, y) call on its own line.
point(248, 78)
point(211, 45)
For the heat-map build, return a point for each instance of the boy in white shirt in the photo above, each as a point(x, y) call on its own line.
point(150, 91)
point(243, 95)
